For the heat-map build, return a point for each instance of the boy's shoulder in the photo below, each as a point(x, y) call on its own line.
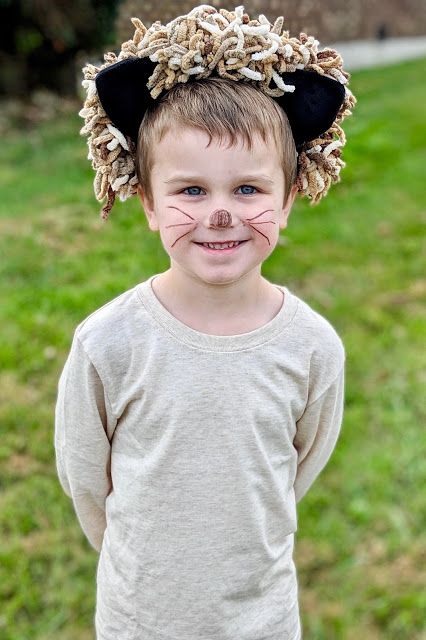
point(313, 326)
point(112, 323)
point(316, 338)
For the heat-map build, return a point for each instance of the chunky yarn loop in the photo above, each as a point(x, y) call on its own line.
point(232, 45)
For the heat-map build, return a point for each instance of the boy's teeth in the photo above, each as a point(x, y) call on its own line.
point(220, 245)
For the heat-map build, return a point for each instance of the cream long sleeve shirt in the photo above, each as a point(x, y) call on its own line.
point(185, 454)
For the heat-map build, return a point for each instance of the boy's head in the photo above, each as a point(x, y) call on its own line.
point(309, 85)
point(216, 146)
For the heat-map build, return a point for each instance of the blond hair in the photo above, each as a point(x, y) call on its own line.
point(224, 109)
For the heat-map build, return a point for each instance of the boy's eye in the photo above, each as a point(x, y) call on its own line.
point(190, 191)
point(247, 186)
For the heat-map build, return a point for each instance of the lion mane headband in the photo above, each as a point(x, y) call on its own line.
point(310, 85)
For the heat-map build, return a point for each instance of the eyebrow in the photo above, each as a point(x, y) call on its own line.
point(244, 178)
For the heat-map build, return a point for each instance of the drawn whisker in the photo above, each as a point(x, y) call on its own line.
point(259, 214)
point(181, 224)
point(266, 222)
point(262, 234)
point(184, 212)
point(182, 236)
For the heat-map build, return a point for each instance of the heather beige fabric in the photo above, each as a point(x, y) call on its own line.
point(185, 454)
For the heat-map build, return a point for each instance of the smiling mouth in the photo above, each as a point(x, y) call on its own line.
point(221, 245)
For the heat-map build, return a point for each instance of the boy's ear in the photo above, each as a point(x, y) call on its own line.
point(148, 207)
point(285, 212)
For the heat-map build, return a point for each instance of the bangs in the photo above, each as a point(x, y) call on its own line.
point(227, 111)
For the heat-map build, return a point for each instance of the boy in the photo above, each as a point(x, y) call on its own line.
point(196, 408)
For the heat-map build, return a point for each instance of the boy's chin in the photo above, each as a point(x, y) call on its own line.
point(213, 277)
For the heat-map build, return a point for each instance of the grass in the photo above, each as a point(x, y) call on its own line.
point(356, 258)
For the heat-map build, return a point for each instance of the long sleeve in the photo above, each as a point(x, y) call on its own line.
point(317, 433)
point(83, 419)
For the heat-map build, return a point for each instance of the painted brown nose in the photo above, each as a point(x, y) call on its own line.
point(220, 218)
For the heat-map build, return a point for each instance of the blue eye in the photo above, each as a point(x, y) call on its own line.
point(191, 189)
point(247, 186)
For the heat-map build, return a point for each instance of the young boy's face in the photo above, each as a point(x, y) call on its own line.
point(191, 180)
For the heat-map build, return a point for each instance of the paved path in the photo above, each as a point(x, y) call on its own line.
point(370, 53)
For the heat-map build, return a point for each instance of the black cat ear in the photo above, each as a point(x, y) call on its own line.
point(311, 108)
point(123, 93)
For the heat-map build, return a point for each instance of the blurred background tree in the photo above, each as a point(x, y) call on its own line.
point(43, 42)
point(40, 40)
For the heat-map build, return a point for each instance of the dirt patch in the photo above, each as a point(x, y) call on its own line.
point(12, 389)
point(21, 464)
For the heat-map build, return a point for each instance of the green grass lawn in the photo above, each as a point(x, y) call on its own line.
point(356, 258)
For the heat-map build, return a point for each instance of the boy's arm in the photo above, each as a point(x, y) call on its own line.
point(317, 433)
point(83, 420)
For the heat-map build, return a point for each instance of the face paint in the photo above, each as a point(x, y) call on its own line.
point(183, 224)
point(247, 221)
point(219, 216)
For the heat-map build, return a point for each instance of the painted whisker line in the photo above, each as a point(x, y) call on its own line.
point(182, 236)
point(266, 222)
point(184, 212)
point(181, 224)
point(262, 234)
point(259, 214)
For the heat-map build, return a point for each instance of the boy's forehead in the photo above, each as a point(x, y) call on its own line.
point(185, 146)
point(223, 138)
point(186, 155)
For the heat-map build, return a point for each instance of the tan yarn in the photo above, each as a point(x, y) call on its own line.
point(233, 46)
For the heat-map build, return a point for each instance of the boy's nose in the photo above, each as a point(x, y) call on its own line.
point(220, 218)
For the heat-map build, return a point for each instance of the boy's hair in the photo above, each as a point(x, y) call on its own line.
point(224, 109)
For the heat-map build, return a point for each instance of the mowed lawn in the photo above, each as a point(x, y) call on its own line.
point(356, 258)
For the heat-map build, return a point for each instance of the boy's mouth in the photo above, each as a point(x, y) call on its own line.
point(221, 245)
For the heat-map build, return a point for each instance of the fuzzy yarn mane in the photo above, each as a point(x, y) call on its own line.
point(231, 45)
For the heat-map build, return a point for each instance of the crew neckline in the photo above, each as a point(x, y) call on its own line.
point(206, 341)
